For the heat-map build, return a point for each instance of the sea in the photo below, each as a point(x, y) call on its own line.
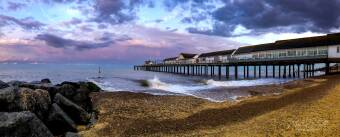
point(115, 78)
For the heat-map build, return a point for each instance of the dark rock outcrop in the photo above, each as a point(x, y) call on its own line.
point(22, 124)
point(14, 99)
point(78, 114)
point(16, 83)
point(59, 122)
point(61, 107)
point(8, 99)
point(44, 81)
point(3, 85)
point(79, 93)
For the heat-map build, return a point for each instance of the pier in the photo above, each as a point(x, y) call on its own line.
point(296, 58)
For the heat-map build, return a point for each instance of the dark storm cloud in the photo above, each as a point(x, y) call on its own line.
point(14, 6)
point(59, 42)
point(26, 23)
point(118, 11)
point(272, 15)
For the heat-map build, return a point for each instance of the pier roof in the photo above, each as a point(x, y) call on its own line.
point(217, 53)
point(187, 55)
point(169, 59)
point(254, 48)
point(330, 39)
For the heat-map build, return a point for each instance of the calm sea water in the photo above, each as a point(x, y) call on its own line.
point(124, 78)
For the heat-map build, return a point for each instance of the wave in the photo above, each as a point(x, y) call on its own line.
point(155, 83)
point(244, 83)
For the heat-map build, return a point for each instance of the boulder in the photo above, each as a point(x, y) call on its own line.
point(9, 99)
point(74, 84)
point(3, 85)
point(67, 90)
point(22, 124)
point(13, 99)
point(79, 93)
point(77, 113)
point(71, 134)
point(52, 90)
point(16, 83)
point(37, 101)
point(59, 122)
point(35, 82)
point(45, 81)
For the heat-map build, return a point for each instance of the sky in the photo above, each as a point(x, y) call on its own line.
point(131, 31)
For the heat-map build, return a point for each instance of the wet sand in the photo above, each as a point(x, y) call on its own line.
point(303, 108)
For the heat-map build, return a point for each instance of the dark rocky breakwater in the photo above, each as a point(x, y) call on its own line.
point(41, 109)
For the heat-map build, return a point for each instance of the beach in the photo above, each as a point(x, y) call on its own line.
point(298, 108)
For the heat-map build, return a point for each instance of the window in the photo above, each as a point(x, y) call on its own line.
point(292, 53)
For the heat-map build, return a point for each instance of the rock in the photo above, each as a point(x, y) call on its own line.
point(45, 81)
point(52, 90)
point(59, 122)
point(22, 124)
point(79, 93)
point(71, 134)
point(9, 99)
point(90, 86)
point(16, 83)
point(74, 84)
point(67, 90)
point(37, 101)
point(3, 85)
point(35, 82)
point(78, 114)
point(13, 99)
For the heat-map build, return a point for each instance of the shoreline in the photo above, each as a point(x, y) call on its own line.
point(131, 114)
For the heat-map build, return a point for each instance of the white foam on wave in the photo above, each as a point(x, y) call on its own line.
point(106, 85)
point(244, 83)
point(156, 83)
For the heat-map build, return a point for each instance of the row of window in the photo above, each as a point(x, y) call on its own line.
point(319, 51)
point(292, 53)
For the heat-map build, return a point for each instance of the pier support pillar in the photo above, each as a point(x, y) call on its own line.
point(298, 71)
point(266, 71)
point(289, 71)
point(313, 69)
point(294, 71)
point(284, 71)
point(247, 71)
point(254, 71)
point(244, 72)
point(279, 71)
point(227, 72)
point(259, 71)
point(327, 68)
point(219, 72)
point(273, 71)
point(236, 72)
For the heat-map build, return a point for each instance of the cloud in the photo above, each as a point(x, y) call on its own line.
point(117, 11)
point(14, 6)
point(271, 16)
point(73, 21)
point(59, 42)
point(26, 23)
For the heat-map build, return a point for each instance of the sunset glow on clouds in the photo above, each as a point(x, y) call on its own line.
point(130, 31)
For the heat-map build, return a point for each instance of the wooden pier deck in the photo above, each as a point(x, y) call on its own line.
point(276, 68)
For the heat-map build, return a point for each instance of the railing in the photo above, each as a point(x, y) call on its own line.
point(235, 60)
